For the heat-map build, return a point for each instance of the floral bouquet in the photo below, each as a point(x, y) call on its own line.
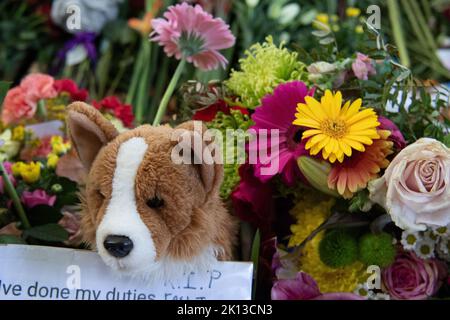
point(40, 171)
point(346, 173)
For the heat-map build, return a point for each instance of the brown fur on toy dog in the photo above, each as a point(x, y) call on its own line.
point(145, 214)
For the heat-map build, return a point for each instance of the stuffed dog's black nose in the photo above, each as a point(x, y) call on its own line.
point(118, 246)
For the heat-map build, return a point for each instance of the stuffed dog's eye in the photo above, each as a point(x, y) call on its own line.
point(155, 203)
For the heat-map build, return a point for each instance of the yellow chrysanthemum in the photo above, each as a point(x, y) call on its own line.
point(52, 160)
point(30, 172)
point(58, 145)
point(311, 215)
point(335, 129)
point(18, 133)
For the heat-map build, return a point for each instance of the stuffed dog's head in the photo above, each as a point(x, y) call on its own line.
point(144, 213)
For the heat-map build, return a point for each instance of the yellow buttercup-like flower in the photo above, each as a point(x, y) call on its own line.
point(58, 145)
point(352, 12)
point(52, 160)
point(18, 133)
point(336, 130)
point(17, 168)
point(30, 172)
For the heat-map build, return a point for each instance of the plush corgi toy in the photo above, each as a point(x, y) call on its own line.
point(143, 213)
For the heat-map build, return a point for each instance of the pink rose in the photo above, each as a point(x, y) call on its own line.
point(303, 287)
point(411, 278)
point(38, 86)
point(37, 197)
point(415, 189)
point(16, 108)
point(362, 67)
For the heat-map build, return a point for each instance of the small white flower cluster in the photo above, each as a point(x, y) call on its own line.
point(428, 244)
point(363, 290)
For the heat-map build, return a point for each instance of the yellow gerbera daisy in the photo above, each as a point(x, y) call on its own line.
point(335, 129)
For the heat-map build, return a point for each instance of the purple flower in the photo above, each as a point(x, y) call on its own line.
point(362, 67)
point(278, 112)
point(303, 287)
point(37, 197)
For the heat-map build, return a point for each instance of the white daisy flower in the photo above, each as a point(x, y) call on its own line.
point(363, 290)
point(425, 248)
point(431, 235)
point(381, 296)
point(442, 231)
point(443, 249)
point(409, 239)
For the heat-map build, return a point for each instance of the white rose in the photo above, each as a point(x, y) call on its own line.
point(415, 189)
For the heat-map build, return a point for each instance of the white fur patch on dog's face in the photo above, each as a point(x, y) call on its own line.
point(122, 217)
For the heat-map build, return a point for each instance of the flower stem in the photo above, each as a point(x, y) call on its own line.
point(168, 94)
point(14, 197)
point(41, 109)
point(143, 86)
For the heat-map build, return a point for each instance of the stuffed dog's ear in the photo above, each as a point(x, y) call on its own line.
point(210, 172)
point(89, 131)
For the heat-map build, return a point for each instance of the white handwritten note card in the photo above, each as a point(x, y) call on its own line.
point(36, 272)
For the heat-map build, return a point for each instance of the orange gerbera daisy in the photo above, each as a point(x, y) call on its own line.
point(355, 172)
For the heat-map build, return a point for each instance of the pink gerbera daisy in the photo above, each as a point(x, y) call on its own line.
point(191, 33)
point(278, 112)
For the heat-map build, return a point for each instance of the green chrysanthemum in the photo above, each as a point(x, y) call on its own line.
point(377, 249)
point(235, 120)
point(264, 67)
point(338, 249)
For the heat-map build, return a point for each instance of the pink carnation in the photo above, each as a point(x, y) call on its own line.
point(411, 278)
point(16, 108)
point(193, 34)
point(37, 197)
point(21, 101)
point(38, 86)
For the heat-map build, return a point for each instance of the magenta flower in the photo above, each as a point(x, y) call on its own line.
point(278, 112)
point(396, 135)
point(303, 287)
point(411, 278)
point(362, 67)
point(37, 197)
point(193, 34)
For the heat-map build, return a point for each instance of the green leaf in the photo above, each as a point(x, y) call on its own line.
point(51, 232)
point(447, 140)
point(320, 33)
point(4, 87)
point(9, 239)
point(42, 215)
point(326, 41)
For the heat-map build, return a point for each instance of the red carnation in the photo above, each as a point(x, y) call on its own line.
point(69, 86)
point(209, 113)
point(124, 112)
